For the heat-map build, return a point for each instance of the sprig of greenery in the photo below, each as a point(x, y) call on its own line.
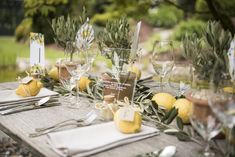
point(116, 38)
point(209, 53)
point(65, 30)
point(116, 34)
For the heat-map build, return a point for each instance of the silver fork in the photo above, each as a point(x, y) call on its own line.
point(89, 114)
point(86, 122)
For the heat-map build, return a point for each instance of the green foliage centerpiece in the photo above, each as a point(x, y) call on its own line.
point(115, 43)
point(209, 52)
point(65, 31)
point(209, 57)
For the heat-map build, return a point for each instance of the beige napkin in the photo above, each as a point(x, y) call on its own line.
point(8, 97)
point(93, 139)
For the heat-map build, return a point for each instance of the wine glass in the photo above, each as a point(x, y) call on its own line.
point(162, 59)
point(68, 83)
point(207, 129)
point(77, 68)
point(222, 103)
point(181, 78)
point(202, 119)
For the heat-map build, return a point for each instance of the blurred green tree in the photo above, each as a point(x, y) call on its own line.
point(112, 9)
point(222, 11)
point(164, 16)
point(38, 14)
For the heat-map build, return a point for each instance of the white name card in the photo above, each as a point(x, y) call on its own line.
point(37, 53)
point(127, 114)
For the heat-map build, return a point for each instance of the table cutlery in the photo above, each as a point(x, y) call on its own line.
point(41, 103)
point(21, 104)
point(89, 114)
point(25, 100)
point(86, 122)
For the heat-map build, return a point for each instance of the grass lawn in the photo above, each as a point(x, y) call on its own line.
point(9, 46)
point(10, 50)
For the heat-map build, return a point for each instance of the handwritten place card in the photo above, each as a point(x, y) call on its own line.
point(37, 55)
point(122, 89)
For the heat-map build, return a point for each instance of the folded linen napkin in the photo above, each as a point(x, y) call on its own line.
point(8, 97)
point(93, 139)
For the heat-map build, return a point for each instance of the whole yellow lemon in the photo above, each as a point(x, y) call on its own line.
point(53, 73)
point(185, 109)
point(83, 83)
point(135, 70)
point(30, 89)
point(128, 127)
point(165, 100)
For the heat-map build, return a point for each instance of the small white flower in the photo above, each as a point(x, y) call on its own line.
point(85, 36)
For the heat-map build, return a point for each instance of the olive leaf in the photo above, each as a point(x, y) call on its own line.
point(171, 131)
point(154, 104)
point(179, 123)
point(183, 136)
point(172, 116)
point(166, 116)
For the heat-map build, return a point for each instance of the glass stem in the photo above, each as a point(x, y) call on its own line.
point(77, 91)
point(207, 148)
point(86, 56)
point(207, 151)
point(161, 83)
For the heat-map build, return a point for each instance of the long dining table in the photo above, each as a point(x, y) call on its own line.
point(19, 125)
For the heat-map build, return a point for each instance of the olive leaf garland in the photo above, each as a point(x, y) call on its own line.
point(151, 112)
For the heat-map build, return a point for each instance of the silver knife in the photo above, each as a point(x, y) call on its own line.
point(21, 104)
point(26, 108)
point(40, 104)
point(25, 101)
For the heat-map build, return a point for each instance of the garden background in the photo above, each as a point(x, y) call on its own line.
point(161, 19)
